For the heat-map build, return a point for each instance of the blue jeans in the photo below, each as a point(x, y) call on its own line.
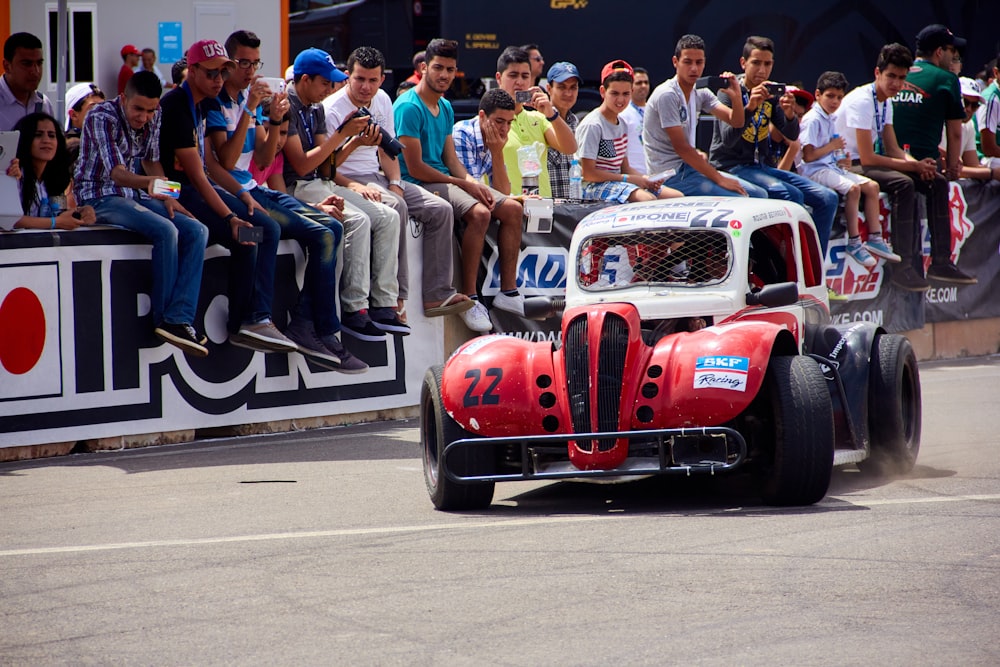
point(692, 183)
point(790, 186)
point(251, 267)
point(320, 235)
point(178, 252)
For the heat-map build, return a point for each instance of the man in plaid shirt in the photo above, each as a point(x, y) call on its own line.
point(118, 134)
point(479, 141)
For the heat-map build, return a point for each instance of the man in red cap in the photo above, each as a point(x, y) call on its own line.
point(130, 60)
point(182, 150)
point(603, 146)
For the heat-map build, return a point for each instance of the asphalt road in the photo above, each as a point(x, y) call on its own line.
point(323, 548)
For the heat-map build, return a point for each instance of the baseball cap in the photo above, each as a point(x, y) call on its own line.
point(614, 66)
point(130, 49)
point(77, 94)
point(970, 88)
point(317, 62)
point(208, 53)
point(935, 36)
point(562, 71)
point(803, 97)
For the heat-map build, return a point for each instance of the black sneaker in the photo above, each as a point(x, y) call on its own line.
point(949, 273)
point(386, 319)
point(906, 277)
point(360, 326)
point(183, 336)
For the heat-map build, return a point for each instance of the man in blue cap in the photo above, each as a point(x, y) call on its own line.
point(564, 88)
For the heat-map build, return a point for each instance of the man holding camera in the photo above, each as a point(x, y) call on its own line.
point(371, 229)
point(745, 151)
point(670, 126)
point(236, 136)
point(374, 172)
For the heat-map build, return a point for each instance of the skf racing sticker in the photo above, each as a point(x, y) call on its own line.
point(721, 372)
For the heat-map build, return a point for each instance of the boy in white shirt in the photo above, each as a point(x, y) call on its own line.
point(818, 162)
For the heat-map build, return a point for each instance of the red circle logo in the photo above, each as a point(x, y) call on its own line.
point(22, 331)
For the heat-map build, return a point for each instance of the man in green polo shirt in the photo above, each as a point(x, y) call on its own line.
point(930, 101)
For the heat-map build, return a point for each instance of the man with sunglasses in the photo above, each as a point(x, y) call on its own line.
point(237, 136)
point(182, 151)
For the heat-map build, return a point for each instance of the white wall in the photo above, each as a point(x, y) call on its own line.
point(121, 22)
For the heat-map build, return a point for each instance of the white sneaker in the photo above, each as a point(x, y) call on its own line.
point(512, 304)
point(477, 318)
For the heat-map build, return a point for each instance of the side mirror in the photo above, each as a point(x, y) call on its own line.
point(773, 296)
point(544, 307)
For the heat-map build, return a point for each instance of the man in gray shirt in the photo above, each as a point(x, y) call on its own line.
point(671, 121)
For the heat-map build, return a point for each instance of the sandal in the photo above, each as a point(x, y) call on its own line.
point(454, 304)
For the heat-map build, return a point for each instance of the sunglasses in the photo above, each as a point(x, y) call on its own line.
point(244, 63)
point(971, 105)
point(214, 74)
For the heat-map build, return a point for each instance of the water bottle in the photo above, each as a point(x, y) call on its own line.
point(839, 153)
point(575, 180)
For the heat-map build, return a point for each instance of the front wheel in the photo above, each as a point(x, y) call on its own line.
point(438, 430)
point(800, 462)
point(894, 407)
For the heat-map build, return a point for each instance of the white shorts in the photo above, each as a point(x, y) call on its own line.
point(838, 179)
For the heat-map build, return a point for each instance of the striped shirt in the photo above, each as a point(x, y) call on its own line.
point(108, 141)
point(471, 150)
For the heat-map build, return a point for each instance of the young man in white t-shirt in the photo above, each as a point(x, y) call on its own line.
point(820, 141)
point(865, 122)
point(602, 146)
point(375, 174)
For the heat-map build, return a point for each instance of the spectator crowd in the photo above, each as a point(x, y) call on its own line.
point(219, 154)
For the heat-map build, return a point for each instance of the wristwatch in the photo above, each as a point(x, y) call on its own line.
point(398, 183)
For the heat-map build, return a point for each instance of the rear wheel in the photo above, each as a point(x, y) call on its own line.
point(797, 468)
point(894, 407)
point(437, 430)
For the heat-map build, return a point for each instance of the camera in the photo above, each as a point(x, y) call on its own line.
point(775, 89)
point(523, 96)
point(387, 142)
point(715, 83)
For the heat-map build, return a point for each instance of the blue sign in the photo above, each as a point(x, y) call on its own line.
point(171, 43)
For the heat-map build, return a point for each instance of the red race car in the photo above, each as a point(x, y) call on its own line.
point(696, 339)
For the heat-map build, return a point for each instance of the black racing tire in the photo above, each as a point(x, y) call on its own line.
point(798, 467)
point(894, 407)
point(437, 430)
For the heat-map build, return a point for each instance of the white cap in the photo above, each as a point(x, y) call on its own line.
point(289, 72)
point(969, 88)
point(78, 93)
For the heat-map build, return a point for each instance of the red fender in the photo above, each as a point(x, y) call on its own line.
point(705, 378)
point(494, 385)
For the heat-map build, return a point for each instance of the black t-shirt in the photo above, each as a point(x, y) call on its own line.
point(179, 128)
point(306, 122)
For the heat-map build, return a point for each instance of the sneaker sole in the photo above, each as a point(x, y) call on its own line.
point(889, 257)
point(519, 313)
point(188, 346)
point(372, 338)
point(392, 328)
point(953, 281)
point(912, 288)
point(328, 363)
point(265, 344)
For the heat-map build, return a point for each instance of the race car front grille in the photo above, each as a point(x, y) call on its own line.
point(612, 348)
point(610, 367)
point(577, 356)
